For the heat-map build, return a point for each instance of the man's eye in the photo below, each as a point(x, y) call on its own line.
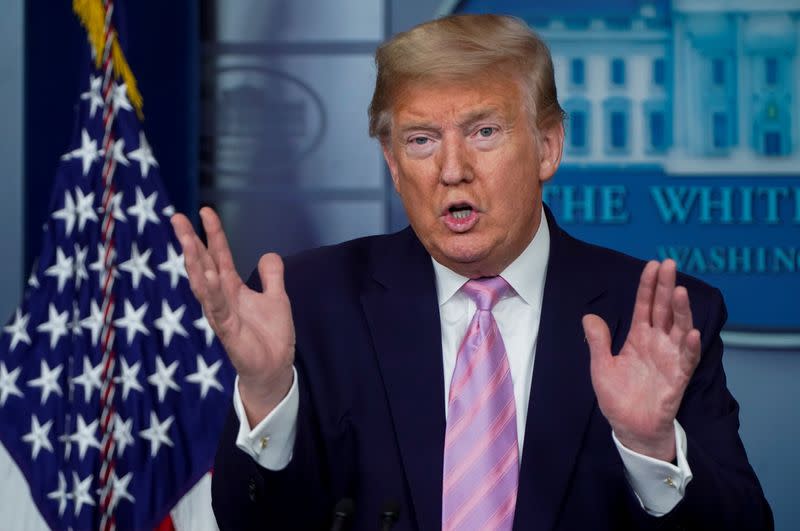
point(420, 140)
point(486, 132)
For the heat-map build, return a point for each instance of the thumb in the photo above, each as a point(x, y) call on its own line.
point(270, 269)
point(598, 337)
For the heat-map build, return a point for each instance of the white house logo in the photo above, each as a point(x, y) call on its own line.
point(683, 141)
point(266, 121)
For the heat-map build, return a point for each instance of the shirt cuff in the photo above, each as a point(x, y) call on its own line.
point(658, 485)
point(271, 441)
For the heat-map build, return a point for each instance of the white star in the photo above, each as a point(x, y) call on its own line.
point(99, 265)
point(88, 152)
point(84, 436)
point(143, 209)
point(93, 95)
point(168, 211)
point(80, 265)
point(116, 208)
point(90, 379)
point(94, 322)
point(119, 98)
point(129, 378)
point(32, 280)
point(122, 433)
point(67, 213)
point(157, 433)
point(119, 489)
point(206, 376)
point(80, 492)
point(202, 324)
point(56, 325)
point(143, 155)
point(39, 436)
point(118, 152)
point(137, 266)
point(174, 265)
point(163, 378)
point(60, 494)
point(170, 322)
point(75, 323)
point(132, 321)
point(8, 383)
point(47, 380)
point(84, 208)
point(19, 329)
point(63, 269)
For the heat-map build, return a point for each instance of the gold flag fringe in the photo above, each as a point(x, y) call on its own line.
point(92, 15)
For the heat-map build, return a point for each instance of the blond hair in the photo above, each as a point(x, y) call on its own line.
point(461, 47)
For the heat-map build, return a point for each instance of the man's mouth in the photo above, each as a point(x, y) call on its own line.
point(460, 217)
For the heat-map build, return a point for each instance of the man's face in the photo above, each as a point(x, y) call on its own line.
point(469, 169)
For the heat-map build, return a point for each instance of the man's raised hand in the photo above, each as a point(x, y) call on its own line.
point(255, 328)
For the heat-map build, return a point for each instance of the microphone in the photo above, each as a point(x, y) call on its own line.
point(341, 513)
point(389, 515)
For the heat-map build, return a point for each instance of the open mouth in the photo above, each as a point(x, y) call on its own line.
point(460, 212)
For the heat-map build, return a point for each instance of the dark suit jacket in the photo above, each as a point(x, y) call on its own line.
point(371, 420)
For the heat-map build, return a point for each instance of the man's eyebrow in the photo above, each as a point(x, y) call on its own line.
point(418, 126)
point(477, 116)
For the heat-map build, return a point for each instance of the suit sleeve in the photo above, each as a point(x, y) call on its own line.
point(724, 492)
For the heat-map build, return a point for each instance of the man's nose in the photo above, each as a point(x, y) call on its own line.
point(455, 165)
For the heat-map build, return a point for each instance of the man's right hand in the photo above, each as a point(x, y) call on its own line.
point(255, 328)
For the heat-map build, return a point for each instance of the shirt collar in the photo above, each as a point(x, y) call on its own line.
point(525, 274)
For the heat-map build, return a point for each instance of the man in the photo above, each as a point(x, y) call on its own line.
point(481, 369)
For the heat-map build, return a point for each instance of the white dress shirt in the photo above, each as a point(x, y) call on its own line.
point(658, 485)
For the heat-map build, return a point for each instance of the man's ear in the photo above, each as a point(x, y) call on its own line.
point(391, 161)
point(551, 147)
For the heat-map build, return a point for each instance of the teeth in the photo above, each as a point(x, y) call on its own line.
point(462, 214)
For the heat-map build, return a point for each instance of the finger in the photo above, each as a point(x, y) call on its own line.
point(599, 339)
point(218, 309)
point(662, 301)
point(270, 270)
point(644, 294)
point(681, 312)
point(191, 247)
point(217, 241)
point(691, 351)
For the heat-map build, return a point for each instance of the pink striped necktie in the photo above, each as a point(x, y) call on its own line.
point(481, 457)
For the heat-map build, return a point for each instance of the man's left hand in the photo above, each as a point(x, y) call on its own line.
point(640, 390)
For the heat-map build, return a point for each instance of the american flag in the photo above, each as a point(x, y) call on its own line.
point(113, 388)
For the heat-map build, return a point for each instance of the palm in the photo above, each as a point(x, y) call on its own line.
point(640, 390)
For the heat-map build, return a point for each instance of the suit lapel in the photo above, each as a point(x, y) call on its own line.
point(562, 398)
point(402, 310)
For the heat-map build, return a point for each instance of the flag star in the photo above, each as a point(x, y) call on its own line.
point(8, 383)
point(39, 436)
point(90, 379)
point(80, 265)
point(206, 376)
point(116, 209)
point(157, 433)
point(84, 436)
point(202, 324)
point(137, 266)
point(168, 211)
point(75, 323)
point(122, 433)
point(143, 155)
point(67, 213)
point(94, 322)
point(84, 208)
point(63, 269)
point(93, 94)
point(143, 209)
point(119, 488)
point(99, 265)
point(32, 280)
point(170, 322)
point(80, 492)
point(132, 321)
point(174, 265)
point(163, 378)
point(88, 152)
point(119, 98)
point(129, 378)
point(19, 329)
point(60, 494)
point(56, 325)
point(47, 380)
point(118, 152)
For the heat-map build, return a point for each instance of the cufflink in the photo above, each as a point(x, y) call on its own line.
point(264, 442)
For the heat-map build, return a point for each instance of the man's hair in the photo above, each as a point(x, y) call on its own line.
point(460, 48)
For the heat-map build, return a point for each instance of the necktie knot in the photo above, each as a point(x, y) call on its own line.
point(486, 291)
